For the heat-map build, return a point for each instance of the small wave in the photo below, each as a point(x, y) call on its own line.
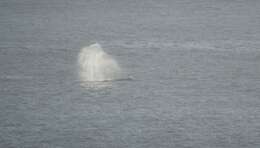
point(14, 77)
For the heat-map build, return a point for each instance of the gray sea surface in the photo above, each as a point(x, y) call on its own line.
point(194, 64)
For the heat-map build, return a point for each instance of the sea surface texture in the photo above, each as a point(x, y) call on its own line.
point(192, 67)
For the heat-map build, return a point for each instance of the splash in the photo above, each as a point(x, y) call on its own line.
point(96, 65)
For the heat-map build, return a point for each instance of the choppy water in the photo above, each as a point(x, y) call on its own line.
point(195, 67)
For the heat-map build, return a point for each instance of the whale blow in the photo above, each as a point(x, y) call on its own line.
point(96, 65)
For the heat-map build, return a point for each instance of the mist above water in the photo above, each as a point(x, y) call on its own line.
point(97, 65)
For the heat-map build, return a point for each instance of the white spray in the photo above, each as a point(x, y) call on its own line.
point(96, 65)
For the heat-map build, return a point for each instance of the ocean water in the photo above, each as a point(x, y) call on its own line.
point(194, 68)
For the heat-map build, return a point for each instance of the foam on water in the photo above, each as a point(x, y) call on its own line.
point(97, 65)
